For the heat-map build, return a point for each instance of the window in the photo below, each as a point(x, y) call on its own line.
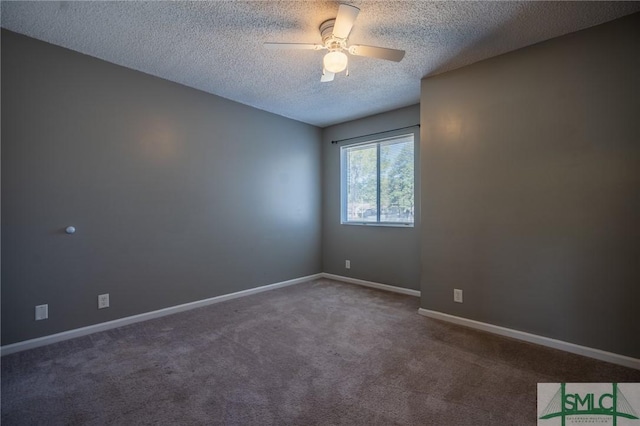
point(377, 182)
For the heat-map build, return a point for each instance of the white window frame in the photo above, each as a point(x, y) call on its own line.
point(343, 182)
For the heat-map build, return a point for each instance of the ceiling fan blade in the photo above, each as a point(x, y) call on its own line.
point(304, 46)
point(344, 21)
point(377, 52)
point(326, 76)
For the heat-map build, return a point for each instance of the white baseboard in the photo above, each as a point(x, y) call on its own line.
point(515, 334)
point(534, 338)
point(372, 284)
point(83, 331)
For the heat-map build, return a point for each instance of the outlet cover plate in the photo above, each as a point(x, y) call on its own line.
point(103, 301)
point(42, 312)
point(347, 264)
point(457, 295)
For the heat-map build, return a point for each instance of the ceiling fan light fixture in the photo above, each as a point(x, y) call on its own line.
point(335, 34)
point(335, 61)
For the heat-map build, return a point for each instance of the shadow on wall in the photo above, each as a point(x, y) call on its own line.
point(523, 24)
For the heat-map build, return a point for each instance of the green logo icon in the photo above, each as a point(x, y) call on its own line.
point(613, 404)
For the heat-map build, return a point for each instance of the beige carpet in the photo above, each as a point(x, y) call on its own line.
point(318, 353)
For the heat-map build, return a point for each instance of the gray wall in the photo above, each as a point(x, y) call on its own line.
point(177, 195)
point(385, 255)
point(530, 189)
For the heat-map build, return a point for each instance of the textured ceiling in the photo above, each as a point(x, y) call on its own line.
point(216, 46)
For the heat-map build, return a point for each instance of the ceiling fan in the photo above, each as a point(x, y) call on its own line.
point(335, 35)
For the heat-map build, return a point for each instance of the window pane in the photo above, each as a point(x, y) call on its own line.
point(377, 181)
point(396, 181)
point(361, 185)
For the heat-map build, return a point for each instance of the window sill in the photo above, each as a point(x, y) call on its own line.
point(385, 224)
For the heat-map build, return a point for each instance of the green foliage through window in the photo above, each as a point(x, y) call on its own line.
point(378, 181)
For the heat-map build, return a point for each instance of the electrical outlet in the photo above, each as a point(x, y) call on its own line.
point(347, 264)
point(42, 312)
point(103, 301)
point(457, 295)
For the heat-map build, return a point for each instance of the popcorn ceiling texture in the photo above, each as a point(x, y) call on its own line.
point(217, 46)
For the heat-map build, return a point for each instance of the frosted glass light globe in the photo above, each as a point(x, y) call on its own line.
point(335, 61)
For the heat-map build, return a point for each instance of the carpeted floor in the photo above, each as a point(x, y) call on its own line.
point(318, 353)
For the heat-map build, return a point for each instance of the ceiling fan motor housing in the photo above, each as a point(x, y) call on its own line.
point(331, 42)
